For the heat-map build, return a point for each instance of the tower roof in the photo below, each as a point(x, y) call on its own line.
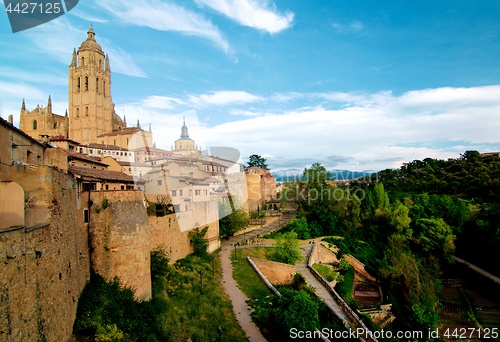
point(184, 131)
point(90, 43)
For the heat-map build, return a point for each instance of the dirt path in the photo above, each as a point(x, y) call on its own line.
point(238, 298)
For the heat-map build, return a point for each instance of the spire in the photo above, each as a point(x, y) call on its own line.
point(23, 106)
point(108, 69)
point(184, 130)
point(66, 114)
point(124, 121)
point(138, 125)
point(73, 60)
point(49, 105)
point(150, 127)
point(90, 33)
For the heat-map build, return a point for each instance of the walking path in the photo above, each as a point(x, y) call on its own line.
point(238, 298)
point(477, 269)
point(321, 290)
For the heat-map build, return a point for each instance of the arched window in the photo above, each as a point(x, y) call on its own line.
point(55, 125)
point(86, 83)
point(34, 124)
point(78, 112)
point(104, 88)
point(78, 84)
point(83, 61)
point(86, 111)
point(97, 84)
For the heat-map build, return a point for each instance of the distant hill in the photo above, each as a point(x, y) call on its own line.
point(292, 174)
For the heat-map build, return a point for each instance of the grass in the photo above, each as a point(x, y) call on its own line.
point(193, 313)
point(326, 272)
point(178, 310)
point(345, 287)
point(248, 281)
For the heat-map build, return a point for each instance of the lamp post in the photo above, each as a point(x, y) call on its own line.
point(213, 266)
point(219, 332)
point(201, 282)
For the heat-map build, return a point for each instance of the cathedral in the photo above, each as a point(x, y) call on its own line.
point(91, 117)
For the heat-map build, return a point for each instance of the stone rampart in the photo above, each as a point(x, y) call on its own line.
point(120, 238)
point(276, 272)
point(45, 262)
point(322, 255)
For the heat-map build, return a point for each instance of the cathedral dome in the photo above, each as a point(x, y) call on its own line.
point(90, 43)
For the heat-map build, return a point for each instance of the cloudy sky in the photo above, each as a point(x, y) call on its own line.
point(359, 85)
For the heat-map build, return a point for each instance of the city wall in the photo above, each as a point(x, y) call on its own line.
point(120, 238)
point(45, 261)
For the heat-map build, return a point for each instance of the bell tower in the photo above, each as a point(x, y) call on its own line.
point(91, 107)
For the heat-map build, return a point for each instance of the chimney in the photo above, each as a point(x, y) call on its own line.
point(11, 119)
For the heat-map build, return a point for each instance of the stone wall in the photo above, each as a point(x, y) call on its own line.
point(276, 273)
point(322, 255)
point(171, 232)
point(120, 238)
point(44, 265)
point(166, 234)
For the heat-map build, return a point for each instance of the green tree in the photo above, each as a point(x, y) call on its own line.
point(256, 160)
point(296, 309)
point(287, 248)
point(231, 221)
point(198, 241)
point(299, 226)
point(159, 262)
point(399, 218)
point(435, 236)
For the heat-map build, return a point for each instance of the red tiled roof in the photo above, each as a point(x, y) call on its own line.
point(122, 132)
point(75, 155)
point(96, 175)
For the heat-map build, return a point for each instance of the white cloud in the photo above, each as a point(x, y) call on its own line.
point(55, 37)
point(373, 131)
point(165, 16)
point(224, 98)
point(252, 13)
point(164, 102)
point(352, 27)
point(86, 16)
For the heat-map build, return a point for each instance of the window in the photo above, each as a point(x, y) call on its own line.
point(197, 192)
point(122, 187)
point(83, 61)
point(55, 125)
point(104, 88)
point(81, 149)
point(107, 187)
point(86, 215)
point(174, 193)
point(86, 83)
point(180, 192)
point(160, 182)
point(78, 84)
point(35, 124)
point(86, 111)
point(97, 84)
point(78, 112)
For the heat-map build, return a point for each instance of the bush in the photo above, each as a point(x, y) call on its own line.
point(159, 262)
point(198, 241)
point(287, 249)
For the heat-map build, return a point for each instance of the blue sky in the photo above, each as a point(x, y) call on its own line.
point(360, 85)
